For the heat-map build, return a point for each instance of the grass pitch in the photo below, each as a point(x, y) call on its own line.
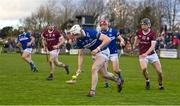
point(20, 86)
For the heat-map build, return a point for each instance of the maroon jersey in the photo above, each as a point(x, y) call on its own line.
point(51, 38)
point(145, 41)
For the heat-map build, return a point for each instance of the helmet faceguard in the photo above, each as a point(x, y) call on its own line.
point(104, 24)
point(75, 30)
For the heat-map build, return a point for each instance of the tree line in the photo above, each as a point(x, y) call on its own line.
point(120, 13)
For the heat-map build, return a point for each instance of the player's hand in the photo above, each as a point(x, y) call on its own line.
point(29, 44)
point(55, 46)
point(19, 45)
point(94, 52)
point(78, 72)
point(122, 44)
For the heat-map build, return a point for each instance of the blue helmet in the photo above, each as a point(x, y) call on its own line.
point(146, 21)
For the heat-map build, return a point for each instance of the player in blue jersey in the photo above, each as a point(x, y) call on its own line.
point(113, 47)
point(97, 43)
point(25, 41)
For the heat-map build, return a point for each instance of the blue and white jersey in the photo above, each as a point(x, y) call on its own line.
point(90, 40)
point(113, 34)
point(24, 39)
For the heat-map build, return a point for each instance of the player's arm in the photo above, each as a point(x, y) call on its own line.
point(105, 41)
point(43, 41)
point(31, 41)
point(61, 42)
point(80, 61)
point(153, 44)
point(122, 43)
point(136, 42)
point(18, 44)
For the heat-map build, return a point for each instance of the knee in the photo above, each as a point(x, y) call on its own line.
point(56, 63)
point(23, 57)
point(94, 69)
point(51, 59)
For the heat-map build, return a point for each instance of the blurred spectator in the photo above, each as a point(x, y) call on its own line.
point(128, 46)
point(37, 37)
point(175, 42)
point(177, 33)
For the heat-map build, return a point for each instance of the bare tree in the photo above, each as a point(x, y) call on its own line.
point(66, 10)
point(119, 12)
point(90, 7)
point(171, 12)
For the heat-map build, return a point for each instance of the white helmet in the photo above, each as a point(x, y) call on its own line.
point(76, 29)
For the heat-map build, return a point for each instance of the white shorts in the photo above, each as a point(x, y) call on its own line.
point(113, 57)
point(54, 53)
point(105, 54)
point(29, 50)
point(150, 58)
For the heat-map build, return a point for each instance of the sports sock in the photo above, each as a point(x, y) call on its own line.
point(119, 75)
point(31, 64)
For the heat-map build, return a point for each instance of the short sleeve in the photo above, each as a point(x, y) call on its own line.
point(92, 33)
point(28, 35)
point(154, 36)
point(138, 34)
point(58, 34)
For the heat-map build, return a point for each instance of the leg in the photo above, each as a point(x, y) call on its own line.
point(33, 67)
point(60, 64)
point(110, 76)
point(157, 66)
point(106, 84)
point(116, 69)
point(143, 65)
point(115, 65)
point(26, 56)
point(97, 65)
point(51, 61)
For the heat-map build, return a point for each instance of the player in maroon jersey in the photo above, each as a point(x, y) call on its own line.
point(52, 40)
point(146, 41)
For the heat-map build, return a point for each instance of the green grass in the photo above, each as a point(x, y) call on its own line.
point(20, 86)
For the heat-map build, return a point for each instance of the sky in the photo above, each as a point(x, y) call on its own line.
point(13, 10)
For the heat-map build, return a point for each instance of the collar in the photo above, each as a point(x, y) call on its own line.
point(50, 31)
point(145, 33)
point(105, 30)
